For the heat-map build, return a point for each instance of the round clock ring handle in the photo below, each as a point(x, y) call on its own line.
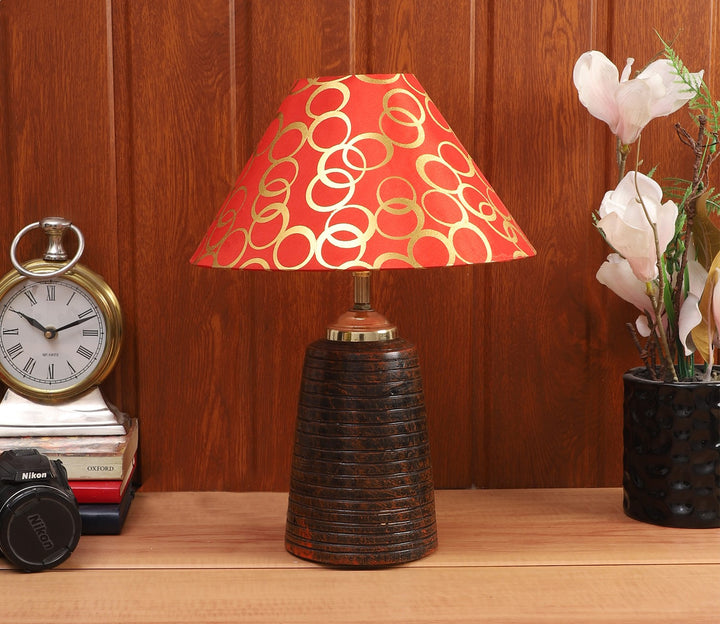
point(54, 227)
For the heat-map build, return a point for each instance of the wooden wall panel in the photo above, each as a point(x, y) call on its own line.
point(134, 117)
point(58, 135)
point(180, 90)
point(290, 41)
point(433, 308)
point(538, 308)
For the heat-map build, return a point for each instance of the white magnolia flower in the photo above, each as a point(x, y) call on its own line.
point(616, 274)
point(627, 105)
point(625, 221)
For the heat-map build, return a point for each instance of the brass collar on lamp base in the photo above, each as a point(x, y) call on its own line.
point(361, 323)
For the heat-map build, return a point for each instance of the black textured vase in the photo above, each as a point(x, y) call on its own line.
point(671, 452)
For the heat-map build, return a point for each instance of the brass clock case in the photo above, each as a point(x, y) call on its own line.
point(107, 303)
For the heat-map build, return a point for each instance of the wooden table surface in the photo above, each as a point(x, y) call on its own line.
point(566, 555)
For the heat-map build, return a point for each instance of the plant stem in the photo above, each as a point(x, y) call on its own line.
point(660, 329)
point(656, 303)
point(621, 154)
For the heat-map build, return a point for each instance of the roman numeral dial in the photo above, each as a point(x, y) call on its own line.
point(58, 336)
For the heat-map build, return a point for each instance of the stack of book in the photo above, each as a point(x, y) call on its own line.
point(100, 471)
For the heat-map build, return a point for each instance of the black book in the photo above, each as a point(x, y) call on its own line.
point(106, 518)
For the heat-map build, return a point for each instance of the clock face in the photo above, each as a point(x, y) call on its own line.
point(53, 337)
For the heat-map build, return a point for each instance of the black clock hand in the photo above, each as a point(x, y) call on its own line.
point(74, 323)
point(30, 320)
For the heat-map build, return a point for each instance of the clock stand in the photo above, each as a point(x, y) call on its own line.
point(60, 334)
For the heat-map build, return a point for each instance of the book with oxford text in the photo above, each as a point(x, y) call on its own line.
point(95, 458)
point(102, 491)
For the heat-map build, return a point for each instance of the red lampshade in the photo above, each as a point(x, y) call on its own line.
point(360, 172)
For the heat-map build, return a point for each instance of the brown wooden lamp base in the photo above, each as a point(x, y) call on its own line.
point(361, 489)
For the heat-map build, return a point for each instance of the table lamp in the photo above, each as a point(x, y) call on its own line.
point(360, 173)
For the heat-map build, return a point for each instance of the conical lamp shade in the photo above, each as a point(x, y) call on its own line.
point(360, 172)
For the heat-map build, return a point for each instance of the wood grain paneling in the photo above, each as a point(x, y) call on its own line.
point(134, 118)
point(58, 135)
point(433, 308)
point(290, 41)
point(542, 317)
point(180, 92)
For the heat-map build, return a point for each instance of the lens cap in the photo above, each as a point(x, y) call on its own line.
point(39, 528)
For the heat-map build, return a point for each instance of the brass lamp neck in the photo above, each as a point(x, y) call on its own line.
point(361, 323)
point(361, 288)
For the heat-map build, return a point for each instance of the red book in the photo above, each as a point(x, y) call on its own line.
point(95, 491)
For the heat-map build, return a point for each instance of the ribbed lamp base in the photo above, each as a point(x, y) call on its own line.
point(361, 489)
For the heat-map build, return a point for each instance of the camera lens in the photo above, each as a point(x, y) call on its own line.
point(39, 528)
point(39, 519)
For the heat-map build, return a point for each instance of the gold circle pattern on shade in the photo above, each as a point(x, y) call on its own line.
point(360, 172)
